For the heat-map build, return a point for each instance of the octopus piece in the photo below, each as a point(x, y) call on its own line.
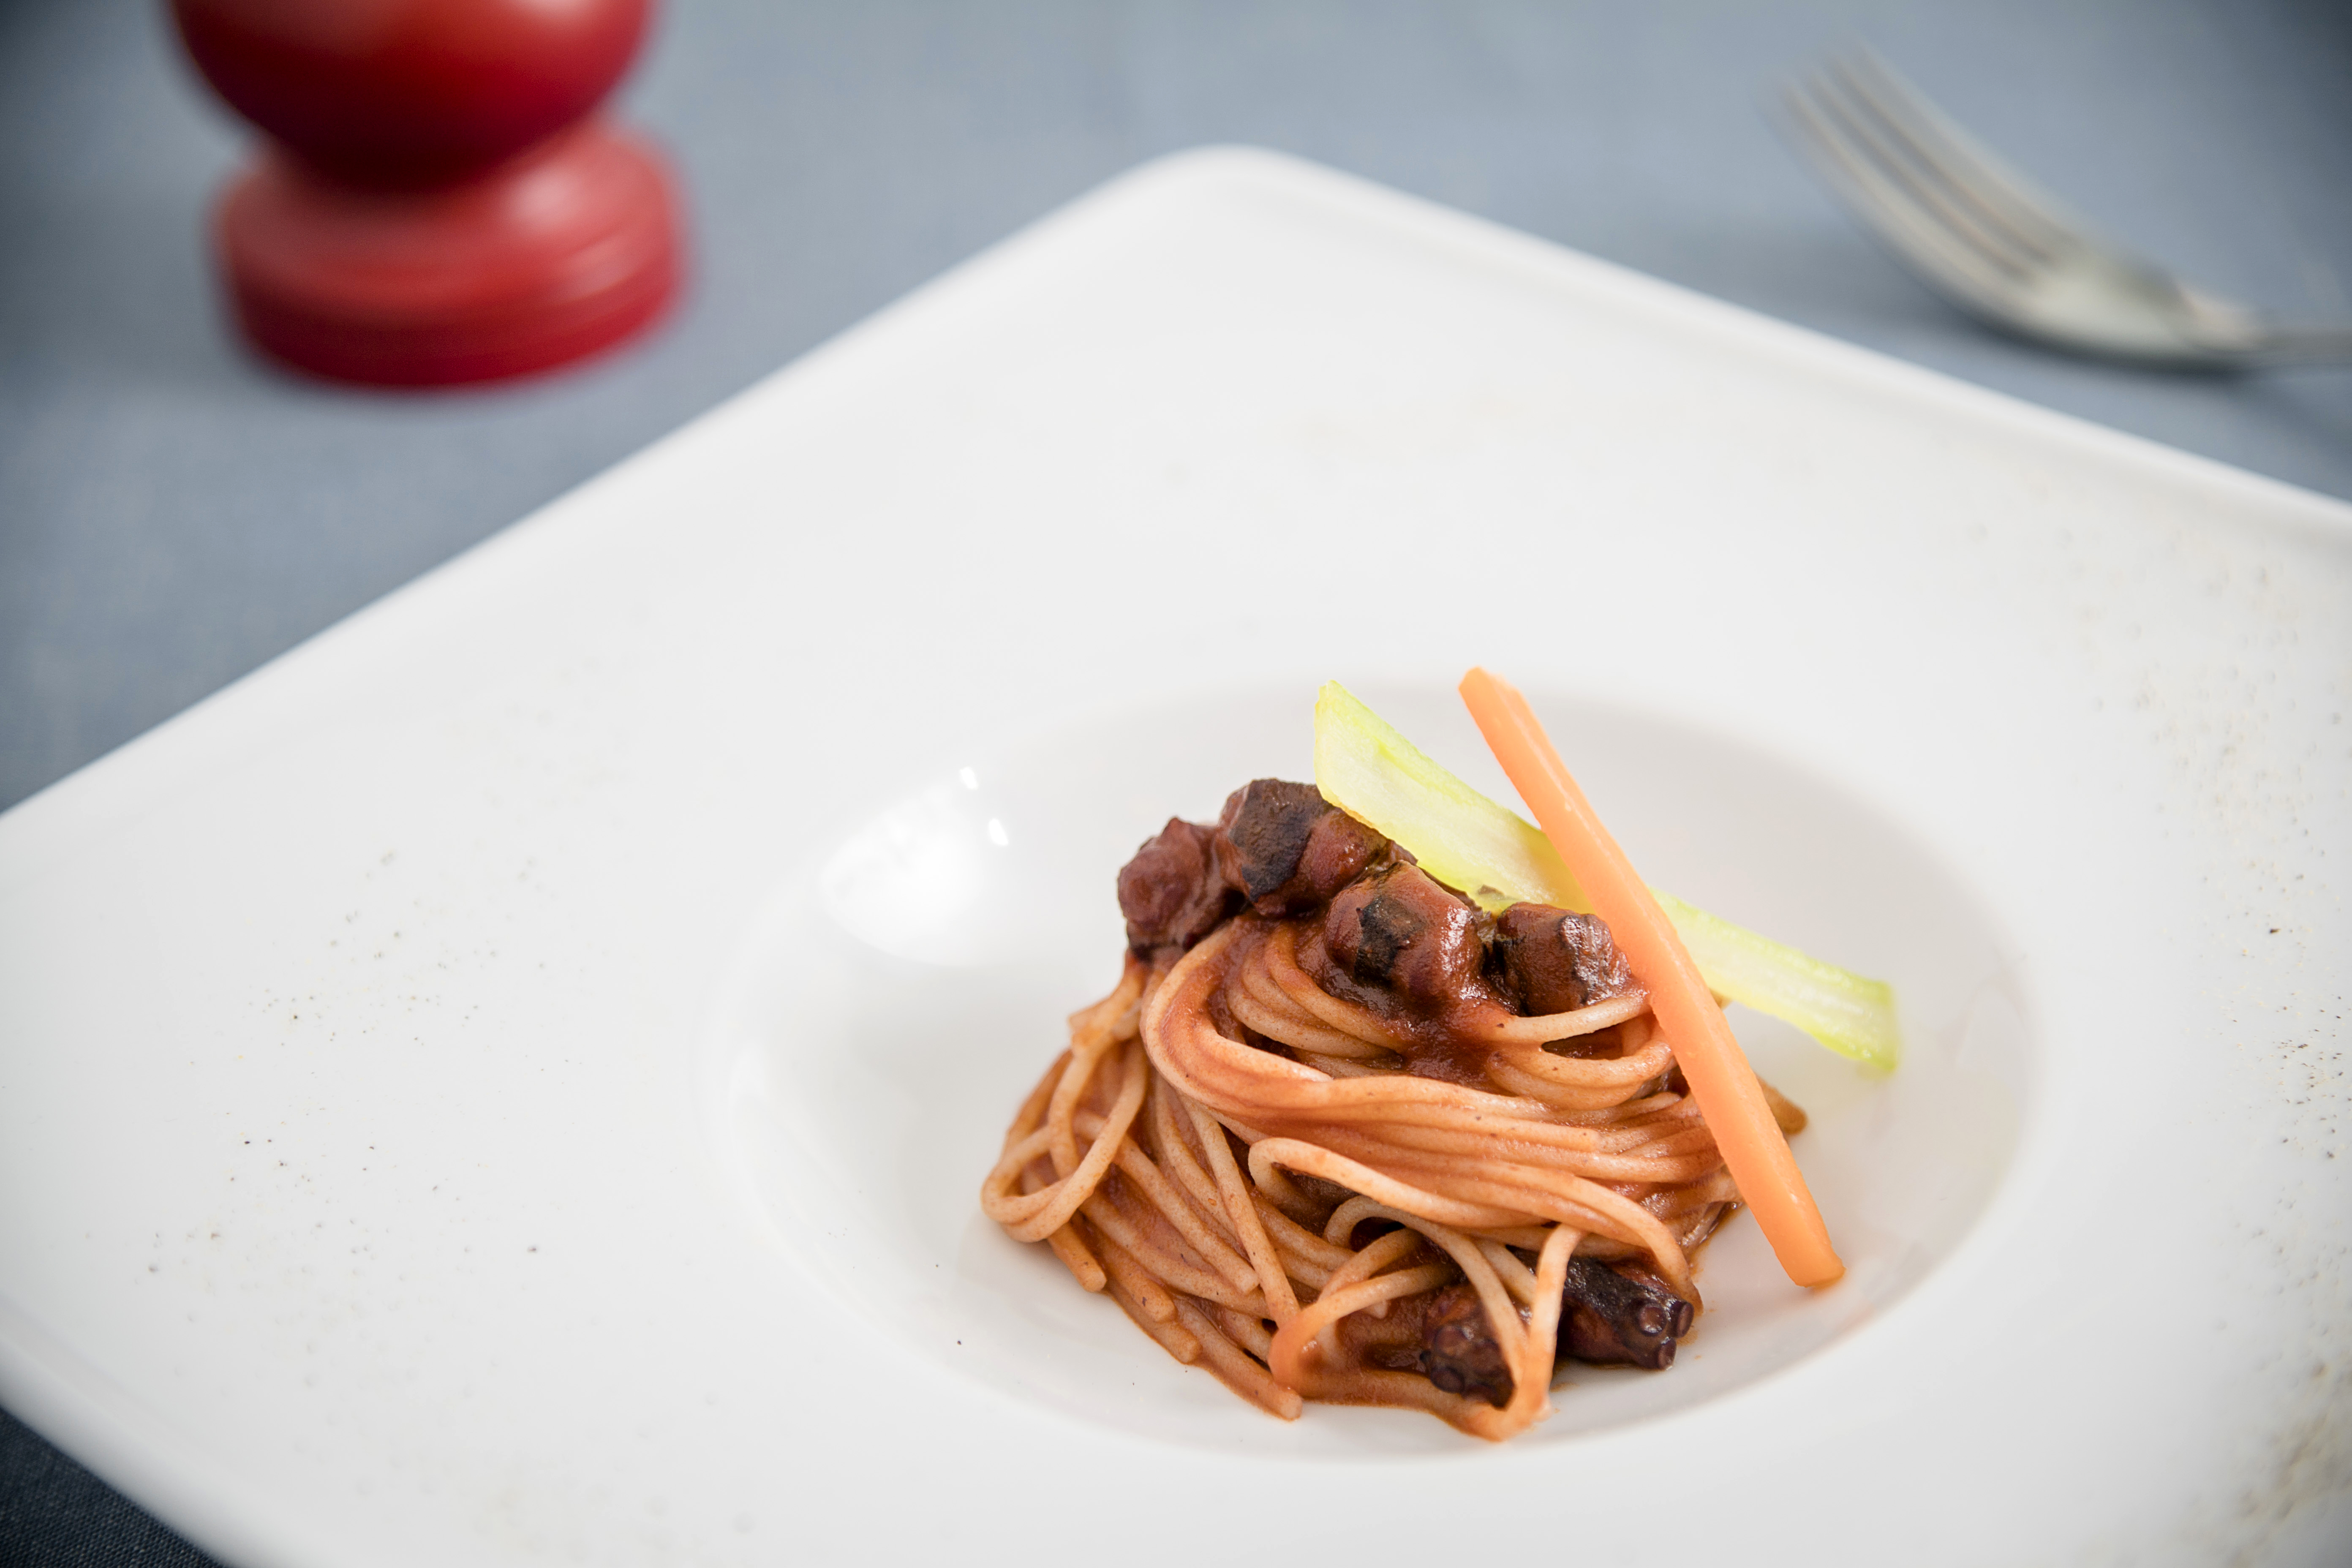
point(1287, 850)
point(1397, 927)
point(1611, 1319)
point(1458, 1353)
point(1171, 892)
point(1551, 961)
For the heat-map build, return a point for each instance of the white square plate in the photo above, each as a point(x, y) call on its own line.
point(507, 1081)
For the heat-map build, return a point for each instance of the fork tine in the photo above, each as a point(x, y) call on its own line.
point(2000, 193)
point(1995, 244)
point(1895, 213)
point(1937, 196)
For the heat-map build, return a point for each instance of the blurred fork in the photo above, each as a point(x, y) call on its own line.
point(1983, 236)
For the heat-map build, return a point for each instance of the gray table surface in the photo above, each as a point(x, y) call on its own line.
point(173, 513)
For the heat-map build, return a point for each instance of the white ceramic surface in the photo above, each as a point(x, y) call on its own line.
point(465, 1097)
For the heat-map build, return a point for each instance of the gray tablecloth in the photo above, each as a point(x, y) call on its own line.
point(173, 513)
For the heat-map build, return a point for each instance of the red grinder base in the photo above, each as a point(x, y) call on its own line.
point(566, 250)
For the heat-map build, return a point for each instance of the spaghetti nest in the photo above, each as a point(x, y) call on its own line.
point(1266, 1177)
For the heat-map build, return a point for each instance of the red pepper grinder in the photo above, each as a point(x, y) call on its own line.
point(436, 203)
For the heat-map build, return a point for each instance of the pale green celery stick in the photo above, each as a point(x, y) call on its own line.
point(1850, 1014)
point(1363, 766)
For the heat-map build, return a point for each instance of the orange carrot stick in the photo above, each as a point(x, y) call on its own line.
point(1729, 1094)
